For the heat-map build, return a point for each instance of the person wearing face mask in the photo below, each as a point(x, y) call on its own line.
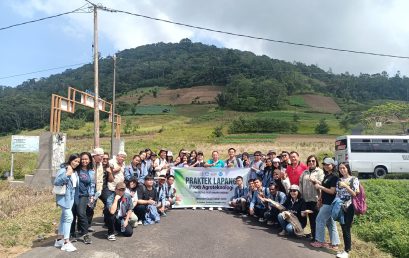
point(308, 191)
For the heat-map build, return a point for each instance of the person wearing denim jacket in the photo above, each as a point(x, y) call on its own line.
point(84, 194)
point(67, 175)
point(238, 200)
point(327, 195)
point(144, 168)
point(161, 189)
point(257, 206)
point(134, 169)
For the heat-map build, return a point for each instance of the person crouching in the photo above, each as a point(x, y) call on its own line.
point(118, 212)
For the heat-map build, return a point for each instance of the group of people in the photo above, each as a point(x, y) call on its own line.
point(281, 190)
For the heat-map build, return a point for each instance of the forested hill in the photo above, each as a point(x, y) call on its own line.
point(186, 64)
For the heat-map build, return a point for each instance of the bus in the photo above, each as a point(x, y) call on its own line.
point(375, 155)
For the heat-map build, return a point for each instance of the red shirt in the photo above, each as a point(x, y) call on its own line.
point(294, 173)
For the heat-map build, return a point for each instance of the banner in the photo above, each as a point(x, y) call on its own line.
point(206, 187)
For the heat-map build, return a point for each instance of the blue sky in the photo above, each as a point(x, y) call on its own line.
point(367, 25)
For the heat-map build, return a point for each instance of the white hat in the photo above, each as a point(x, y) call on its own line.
point(122, 153)
point(328, 161)
point(170, 154)
point(276, 160)
point(97, 151)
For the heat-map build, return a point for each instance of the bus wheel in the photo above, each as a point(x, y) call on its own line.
point(380, 172)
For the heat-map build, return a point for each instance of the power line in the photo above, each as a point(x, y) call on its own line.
point(254, 37)
point(78, 10)
point(39, 71)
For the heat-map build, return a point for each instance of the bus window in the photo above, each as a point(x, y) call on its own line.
point(341, 144)
point(381, 145)
point(361, 145)
point(399, 146)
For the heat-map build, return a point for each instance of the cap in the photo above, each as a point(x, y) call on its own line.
point(97, 151)
point(169, 154)
point(122, 153)
point(295, 187)
point(120, 185)
point(276, 160)
point(328, 161)
point(160, 177)
point(271, 152)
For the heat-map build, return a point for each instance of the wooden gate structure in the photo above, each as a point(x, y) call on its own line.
point(67, 104)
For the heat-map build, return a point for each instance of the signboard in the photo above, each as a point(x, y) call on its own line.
point(206, 187)
point(20, 143)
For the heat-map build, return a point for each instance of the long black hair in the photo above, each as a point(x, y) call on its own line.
point(346, 164)
point(90, 164)
point(70, 159)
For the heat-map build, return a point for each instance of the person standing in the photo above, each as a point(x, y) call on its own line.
point(296, 168)
point(199, 160)
point(233, 161)
point(161, 165)
point(347, 188)
point(308, 191)
point(327, 194)
point(67, 175)
point(117, 174)
point(256, 166)
point(84, 195)
point(215, 162)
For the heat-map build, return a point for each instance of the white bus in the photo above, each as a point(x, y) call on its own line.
point(375, 154)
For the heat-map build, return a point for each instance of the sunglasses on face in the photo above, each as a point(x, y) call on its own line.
point(292, 191)
point(311, 161)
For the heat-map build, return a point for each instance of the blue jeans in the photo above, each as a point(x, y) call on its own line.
point(324, 219)
point(285, 225)
point(65, 222)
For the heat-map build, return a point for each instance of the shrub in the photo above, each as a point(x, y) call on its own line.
point(218, 132)
point(261, 125)
point(322, 127)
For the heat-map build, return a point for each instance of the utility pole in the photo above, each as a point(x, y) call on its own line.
point(96, 90)
point(113, 108)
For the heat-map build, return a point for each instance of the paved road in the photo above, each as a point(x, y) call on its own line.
point(189, 233)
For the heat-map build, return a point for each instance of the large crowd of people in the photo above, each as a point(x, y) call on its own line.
point(281, 191)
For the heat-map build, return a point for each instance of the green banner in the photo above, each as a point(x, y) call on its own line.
point(206, 187)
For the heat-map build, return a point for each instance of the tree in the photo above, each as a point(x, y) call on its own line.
point(322, 127)
point(389, 112)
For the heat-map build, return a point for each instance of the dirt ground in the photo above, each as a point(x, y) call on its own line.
point(198, 94)
point(321, 104)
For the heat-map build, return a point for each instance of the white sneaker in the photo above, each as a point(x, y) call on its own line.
point(203, 208)
point(261, 220)
point(140, 222)
point(269, 223)
point(193, 208)
point(59, 243)
point(282, 233)
point(211, 208)
point(219, 209)
point(343, 255)
point(111, 238)
point(68, 247)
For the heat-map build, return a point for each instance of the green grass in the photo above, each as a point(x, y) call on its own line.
point(297, 101)
point(386, 222)
point(154, 110)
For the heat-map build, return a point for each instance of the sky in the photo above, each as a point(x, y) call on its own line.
point(379, 26)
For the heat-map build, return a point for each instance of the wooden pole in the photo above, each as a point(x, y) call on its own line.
point(96, 90)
